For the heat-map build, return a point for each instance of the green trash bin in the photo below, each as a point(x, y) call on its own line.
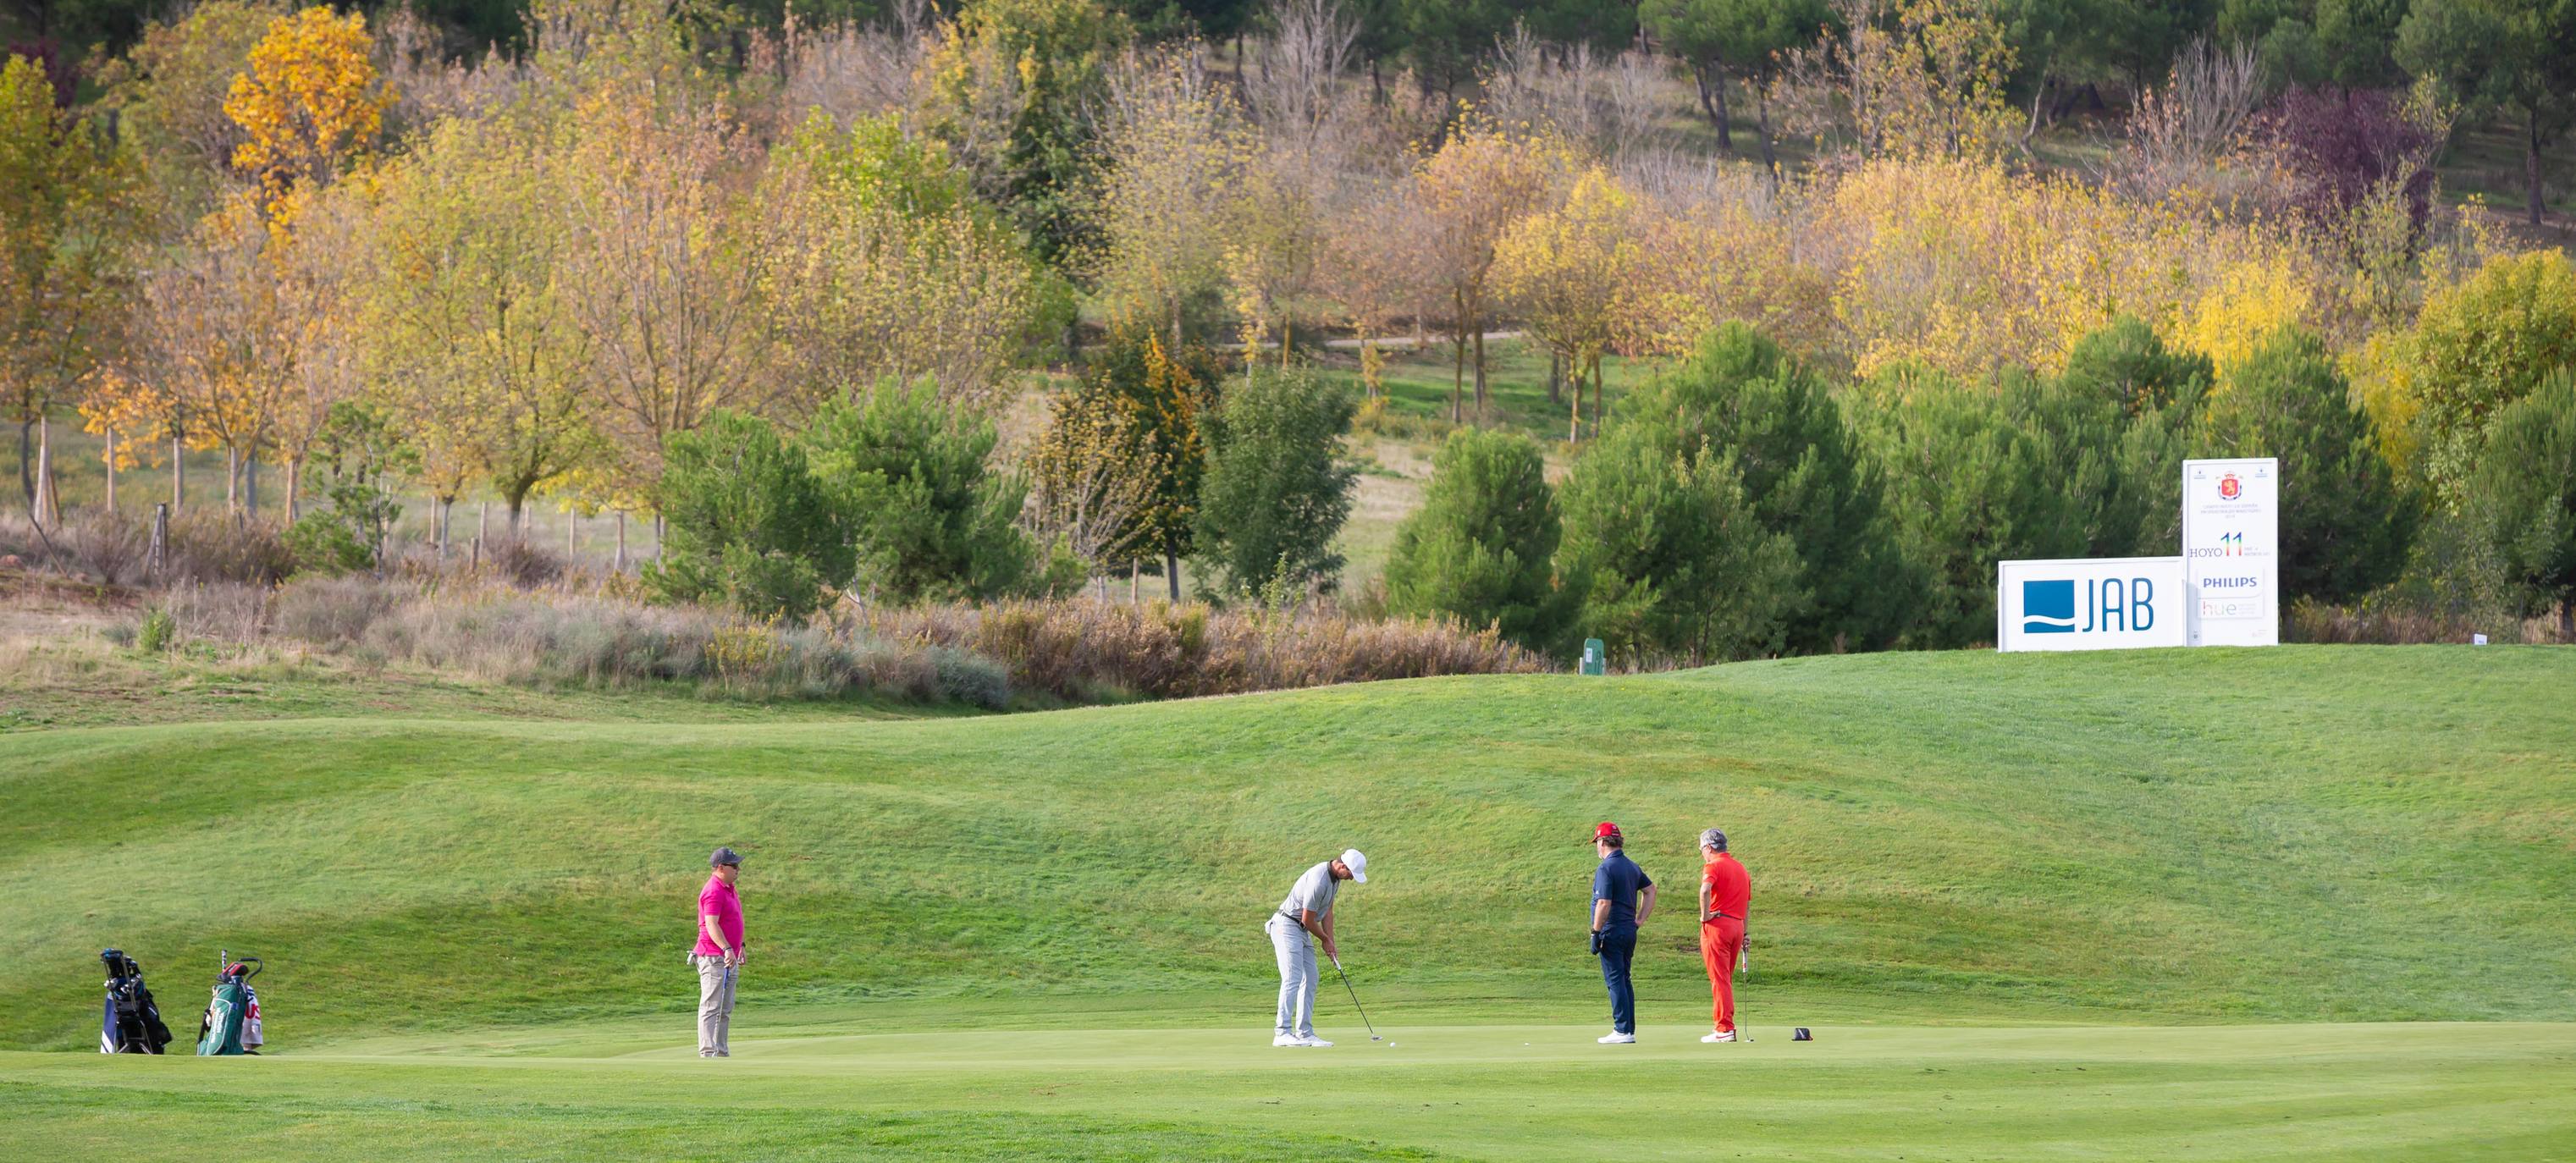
point(1595, 659)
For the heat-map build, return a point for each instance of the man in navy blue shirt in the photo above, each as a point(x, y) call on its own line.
point(1623, 896)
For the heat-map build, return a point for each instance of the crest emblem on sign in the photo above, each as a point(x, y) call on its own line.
point(2229, 488)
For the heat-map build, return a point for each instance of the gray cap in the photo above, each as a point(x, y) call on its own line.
point(725, 856)
point(1713, 839)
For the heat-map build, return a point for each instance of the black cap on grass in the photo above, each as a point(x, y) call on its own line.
point(725, 856)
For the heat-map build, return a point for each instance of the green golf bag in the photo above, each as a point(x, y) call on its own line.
point(230, 1010)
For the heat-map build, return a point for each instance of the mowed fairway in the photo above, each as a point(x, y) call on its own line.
point(2303, 903)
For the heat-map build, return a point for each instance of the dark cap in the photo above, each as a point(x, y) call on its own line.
point(725, 856)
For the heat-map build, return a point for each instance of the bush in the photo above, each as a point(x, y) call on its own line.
point(2345, 523)
point(1277, 490)
point(1482, 547)
point(1665, 554)
point(1805, 472)
point(746, 522)
point(158, 632)
point(908, 479)
point(2522, 499)
point(320, 542)
point(103, 546)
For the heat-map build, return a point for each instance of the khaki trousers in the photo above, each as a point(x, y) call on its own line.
point(715, 1005)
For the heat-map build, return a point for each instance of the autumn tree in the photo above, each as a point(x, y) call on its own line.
point(1176, 151)
point(1469, 194)
point(660, 272)
point(308, 101)
point(878, 261)
point(1093, 474)
point(468, 321)
point(218, 339)
point(1568, 272)
point(1171, 391)
point(65, 221)
point(168, 93)
point(1011, 88)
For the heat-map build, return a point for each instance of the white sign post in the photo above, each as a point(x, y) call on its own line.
point(2231, 548)
point(2099, 603)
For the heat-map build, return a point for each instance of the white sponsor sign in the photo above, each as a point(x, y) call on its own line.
point(2101, 603)
point(2231, 547)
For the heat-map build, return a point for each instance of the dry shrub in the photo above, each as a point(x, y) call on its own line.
point(209, 546)
point(230, 611)
point(2394, 626)
point(102, 546)
point(1078, 650)
point(336, 611)
point(524, 562)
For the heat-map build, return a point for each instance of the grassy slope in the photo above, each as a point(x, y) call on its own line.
point(2298, 833)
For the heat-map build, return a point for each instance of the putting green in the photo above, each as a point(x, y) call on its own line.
point(825, 1089)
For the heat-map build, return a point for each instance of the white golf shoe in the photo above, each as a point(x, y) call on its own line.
point(1318, 1043)
point(1287, 1040)
point(1713, 1036)
point(1618, 1039)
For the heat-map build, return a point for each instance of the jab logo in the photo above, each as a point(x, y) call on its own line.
point(2230, 488)
point(2110, 606)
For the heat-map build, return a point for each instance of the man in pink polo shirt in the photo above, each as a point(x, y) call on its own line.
point(718, 955)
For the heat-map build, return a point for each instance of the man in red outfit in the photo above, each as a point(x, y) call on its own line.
point(1725, 896)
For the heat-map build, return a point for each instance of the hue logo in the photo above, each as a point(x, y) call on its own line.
point(2230, 488)
point(2048, 607)
point(2110, 605)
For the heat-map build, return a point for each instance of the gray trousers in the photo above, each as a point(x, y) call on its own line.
point(715, 1005)
point(1296, 977)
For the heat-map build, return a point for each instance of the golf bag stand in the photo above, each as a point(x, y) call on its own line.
point(131, 1022)
point(231, 1024)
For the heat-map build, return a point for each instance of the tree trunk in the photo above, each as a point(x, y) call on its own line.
point(1480, 376)
point(1574, 418)
point(1172, 573)
point(250, 483)
point(178, 469)
point(443, 505)
point(232, 479)
point(1596, 395)
point(1712, 102)
point(568, 531)
point(1725, 115)
point(482, 521)
point(2531, 164)
point(27, 461)
point(1458, 374)
point(1555, 376)
point(48, 509)
point(620, 564)
point(1377, 82)
point(294, 488)
point(111, 470)
point(1287, 338)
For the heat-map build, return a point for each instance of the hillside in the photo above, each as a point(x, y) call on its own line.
point(2301, 834)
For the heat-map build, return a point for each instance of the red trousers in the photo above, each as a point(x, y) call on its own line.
point(1719, 942)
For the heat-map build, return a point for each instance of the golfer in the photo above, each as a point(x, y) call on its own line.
point(719, 952)
point(1623, 896)
point(1725, 896)
point(1307, 911)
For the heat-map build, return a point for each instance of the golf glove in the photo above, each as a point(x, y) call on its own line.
point(1596, 942)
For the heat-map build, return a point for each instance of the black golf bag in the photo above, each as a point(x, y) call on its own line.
point(131, 1023)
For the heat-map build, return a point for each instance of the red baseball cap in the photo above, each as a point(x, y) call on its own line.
point(1605, 831)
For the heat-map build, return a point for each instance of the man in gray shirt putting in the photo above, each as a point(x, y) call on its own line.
point(1308, 909)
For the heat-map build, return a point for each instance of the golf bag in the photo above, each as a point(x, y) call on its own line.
point(231, 1024)
point(131, 1023)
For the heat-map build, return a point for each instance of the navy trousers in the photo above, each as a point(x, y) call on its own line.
point(1618, 951)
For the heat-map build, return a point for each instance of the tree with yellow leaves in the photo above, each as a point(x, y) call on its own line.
point(1569, 273)
point(1468, 194)
point(309, 102)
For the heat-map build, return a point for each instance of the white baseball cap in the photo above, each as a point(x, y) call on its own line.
point(1357, 863)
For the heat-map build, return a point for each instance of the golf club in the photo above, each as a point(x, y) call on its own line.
point(1355, 1000)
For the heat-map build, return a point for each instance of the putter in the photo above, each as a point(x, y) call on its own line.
point(1355, 1000)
